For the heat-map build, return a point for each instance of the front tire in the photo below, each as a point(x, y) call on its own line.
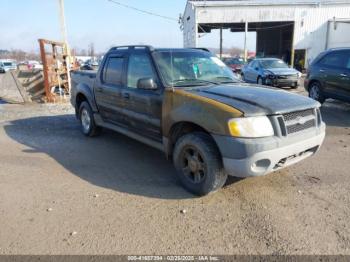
point(315, 92)
point(260, 81)
point(198, 164)
point(87, 122)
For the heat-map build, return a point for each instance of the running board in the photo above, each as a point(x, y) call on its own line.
point(99, 122)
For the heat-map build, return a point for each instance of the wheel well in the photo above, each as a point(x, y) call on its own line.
point(311, 82)
point(180, 129)
point(79, 99)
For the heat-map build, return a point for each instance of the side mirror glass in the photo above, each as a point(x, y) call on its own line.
point(147, 83)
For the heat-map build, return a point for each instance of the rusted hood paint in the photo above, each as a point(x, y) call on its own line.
point(254, 101)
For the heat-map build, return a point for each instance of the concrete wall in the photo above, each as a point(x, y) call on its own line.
point(311, 28)
point(339, 34)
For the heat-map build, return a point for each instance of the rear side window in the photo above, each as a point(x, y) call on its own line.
point(113, 71)
point(336, 59)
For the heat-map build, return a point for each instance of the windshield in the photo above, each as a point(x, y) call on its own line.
point(185, 68)
point(236, 61)
point(273, 63)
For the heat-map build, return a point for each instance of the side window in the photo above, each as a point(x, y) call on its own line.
point(336, 59)
point(254, 64)
point(140, 66)
point(113, 71)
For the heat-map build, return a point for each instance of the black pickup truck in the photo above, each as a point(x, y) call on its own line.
point(187, 103)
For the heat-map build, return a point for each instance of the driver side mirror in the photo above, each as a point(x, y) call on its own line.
point(257, 68)
point(147, 84)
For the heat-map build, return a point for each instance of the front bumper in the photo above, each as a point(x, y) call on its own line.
point(268, 154)
point(282, 82)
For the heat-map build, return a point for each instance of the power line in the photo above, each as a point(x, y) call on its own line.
point(143, 11)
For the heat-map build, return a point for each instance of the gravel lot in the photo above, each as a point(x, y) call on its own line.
point(62, 193)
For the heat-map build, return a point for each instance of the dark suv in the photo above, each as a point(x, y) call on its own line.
point(329, 76)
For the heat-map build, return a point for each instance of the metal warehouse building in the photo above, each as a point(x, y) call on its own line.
point(296, 30)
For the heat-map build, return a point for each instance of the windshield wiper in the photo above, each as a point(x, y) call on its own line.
point(198, 81)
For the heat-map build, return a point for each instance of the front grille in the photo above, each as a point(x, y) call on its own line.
point(298, 121)
point(297, 128)
point(294, 115)
point(287, 77)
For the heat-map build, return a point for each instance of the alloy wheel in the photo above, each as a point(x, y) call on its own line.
point(193, 165)
point(85, 120)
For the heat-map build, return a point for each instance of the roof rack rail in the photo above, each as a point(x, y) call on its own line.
point(130, 47)
point(202, 48)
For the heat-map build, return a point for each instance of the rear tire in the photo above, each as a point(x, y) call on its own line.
point(315, 92)
point(199, 164)
point(87, 122)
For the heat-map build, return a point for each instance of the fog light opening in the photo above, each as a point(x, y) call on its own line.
point(261, 165)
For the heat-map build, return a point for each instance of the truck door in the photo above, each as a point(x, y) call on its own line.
point(142, 108)
point(109, 84)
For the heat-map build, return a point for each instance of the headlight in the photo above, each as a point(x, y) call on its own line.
point(250, 127)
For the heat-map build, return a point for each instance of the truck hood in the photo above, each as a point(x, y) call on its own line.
point(256, 100)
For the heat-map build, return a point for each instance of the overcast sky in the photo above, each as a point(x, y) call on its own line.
point(100, 22)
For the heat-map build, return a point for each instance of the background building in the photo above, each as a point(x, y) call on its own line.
point(295, 30)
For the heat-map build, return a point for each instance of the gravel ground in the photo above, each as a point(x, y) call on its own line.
point(62, 193)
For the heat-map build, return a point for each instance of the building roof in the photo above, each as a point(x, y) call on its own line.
point(265, 2)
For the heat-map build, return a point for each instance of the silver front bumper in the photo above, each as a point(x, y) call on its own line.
point(265, 162)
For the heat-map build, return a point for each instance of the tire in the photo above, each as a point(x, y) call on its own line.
point(199, 164)
point(87, 122)
point(260, 81)
point(315, 92)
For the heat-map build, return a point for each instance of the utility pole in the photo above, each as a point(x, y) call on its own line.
point(63, 22)
point(221, 40)
point(65, 40)
point(245, 41)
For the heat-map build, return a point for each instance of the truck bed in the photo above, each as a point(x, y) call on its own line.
point(84, 77)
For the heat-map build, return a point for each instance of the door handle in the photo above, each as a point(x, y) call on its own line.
point(126, 95)
point(343, 75)
point(100, 89)
point(321, 70)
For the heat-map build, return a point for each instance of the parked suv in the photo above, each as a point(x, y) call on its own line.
point(329, 76)
point(188, 104)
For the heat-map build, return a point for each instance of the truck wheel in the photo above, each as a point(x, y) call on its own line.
point(315, 92)
point(260, 81)
point(199, 164)
point(87, 122)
